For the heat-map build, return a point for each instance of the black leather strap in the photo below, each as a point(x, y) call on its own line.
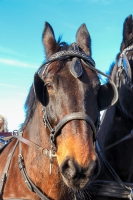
point(109, 167)
point(118, 189)
point(112, 189)
point(74, 116)
point(5, 173)
point(32, 187)
point(66, 55)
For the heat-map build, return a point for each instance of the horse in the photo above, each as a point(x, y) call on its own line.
point(53, 155)
point(114, 139)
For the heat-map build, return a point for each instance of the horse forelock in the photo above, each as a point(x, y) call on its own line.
point(112, 71)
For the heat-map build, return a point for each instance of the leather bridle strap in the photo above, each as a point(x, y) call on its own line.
point(72, 116)
point(32, 187)
point(16, 134)
point(121, 70)
point(127, 137)
point(109, 166)
point(61, 55)
point(88, 61)
point(112, 189)
point(5, 173)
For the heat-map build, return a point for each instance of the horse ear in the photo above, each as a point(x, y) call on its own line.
point(83, 39)
point(127, 32)
point(107, 95)
point(48, 37)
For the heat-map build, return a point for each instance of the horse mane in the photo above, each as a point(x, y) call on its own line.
point(31, 100)
point(123, 104)
point(112, 70)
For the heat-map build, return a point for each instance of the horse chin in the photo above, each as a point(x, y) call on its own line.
point(76, 184)
point(76, 176)
point(82, 180)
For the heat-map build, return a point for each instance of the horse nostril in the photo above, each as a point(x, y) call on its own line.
point(70, 169)
point(93, 169)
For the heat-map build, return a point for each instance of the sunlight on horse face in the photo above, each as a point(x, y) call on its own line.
point(76, 154)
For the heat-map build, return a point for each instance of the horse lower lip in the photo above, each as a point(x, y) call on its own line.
point(77, 183)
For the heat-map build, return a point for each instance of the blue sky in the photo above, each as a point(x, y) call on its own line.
point(21, 49)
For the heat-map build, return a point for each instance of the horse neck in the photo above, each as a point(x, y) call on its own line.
point(116, 126)
point(38, 165)
point(35, 129)
point(106, 125)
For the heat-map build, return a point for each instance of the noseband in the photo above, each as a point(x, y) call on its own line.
point(54, 132)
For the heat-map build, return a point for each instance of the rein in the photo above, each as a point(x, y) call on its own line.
point(118, 189)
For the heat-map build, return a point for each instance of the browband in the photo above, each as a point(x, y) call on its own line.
point(65, 55)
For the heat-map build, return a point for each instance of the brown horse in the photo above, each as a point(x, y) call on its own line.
point(115, 180)
point(68, 89)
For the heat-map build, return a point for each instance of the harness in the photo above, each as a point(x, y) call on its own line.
point(54, 132)
point(117, 188)
point(121, 72)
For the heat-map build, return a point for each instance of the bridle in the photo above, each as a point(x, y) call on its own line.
point(121, 72)
point(54, 132)
point(117, 188)
point(65, 55)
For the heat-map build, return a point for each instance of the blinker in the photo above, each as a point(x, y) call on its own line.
point(39, 88)
point(76, 68)
point(123, 62)
point(127, 66)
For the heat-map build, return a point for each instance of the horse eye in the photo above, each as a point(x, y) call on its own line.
point(49, 86)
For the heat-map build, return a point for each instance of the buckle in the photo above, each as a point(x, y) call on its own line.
point(15, 133)
point(131, 194)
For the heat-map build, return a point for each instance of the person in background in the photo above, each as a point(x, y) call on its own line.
point(3, 124)
point(3, 128)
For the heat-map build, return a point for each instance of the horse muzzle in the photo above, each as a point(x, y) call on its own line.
point(77, 177)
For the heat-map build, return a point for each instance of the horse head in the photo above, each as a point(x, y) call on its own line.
point(68, 87)
point(122, 72)
point(114, 141)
